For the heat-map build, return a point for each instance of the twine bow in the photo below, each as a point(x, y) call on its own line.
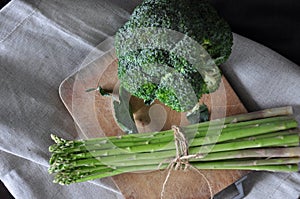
point(181, 161)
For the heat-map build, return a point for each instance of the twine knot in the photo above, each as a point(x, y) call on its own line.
point(181, 161)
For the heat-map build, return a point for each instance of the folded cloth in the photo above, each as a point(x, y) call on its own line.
point(42, 42)
point(261, 77)
point(27, 179)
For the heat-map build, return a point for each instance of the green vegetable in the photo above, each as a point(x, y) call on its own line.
point(102, 91)
point(154, 69)
point(123, 114)
point(256, 141)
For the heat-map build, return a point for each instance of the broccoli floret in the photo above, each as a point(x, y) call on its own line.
point(156, 73)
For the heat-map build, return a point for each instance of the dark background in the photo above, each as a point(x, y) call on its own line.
point(273, 23)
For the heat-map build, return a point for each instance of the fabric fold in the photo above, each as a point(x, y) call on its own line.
point(43, 42)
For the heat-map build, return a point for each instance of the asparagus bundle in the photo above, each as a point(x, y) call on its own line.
point(263, 140)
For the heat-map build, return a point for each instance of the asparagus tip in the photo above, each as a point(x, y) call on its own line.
point(57, 139)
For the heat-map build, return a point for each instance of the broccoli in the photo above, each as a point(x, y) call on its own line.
point(155, 73)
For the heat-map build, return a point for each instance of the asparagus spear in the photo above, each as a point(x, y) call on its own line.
point(229, 133)
point(77, 161)
point(71, 177)
point(154, 157)
point(282, 111)
point(225, 136)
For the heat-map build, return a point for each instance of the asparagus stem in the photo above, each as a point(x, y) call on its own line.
point(106, 144)
point(275, 161)
point(283, 111)
point(273, 134)
point(251, 153)
point(225, 136)
point(271, 141)
point(100, 174)
point(154, 158)
point(272, 112)
point(244, 153)
point(263, 114)
point(237, 142)
point(158, 161)
point(276, 141)
point(162, 156)
point(260, 129)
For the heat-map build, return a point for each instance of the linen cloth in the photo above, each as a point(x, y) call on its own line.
point(42, 42)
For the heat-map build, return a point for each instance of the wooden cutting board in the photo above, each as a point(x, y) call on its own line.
point(94, 117)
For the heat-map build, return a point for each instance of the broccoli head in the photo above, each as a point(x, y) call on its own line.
point(156, 72)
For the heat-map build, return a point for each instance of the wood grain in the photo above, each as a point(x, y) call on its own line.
point(94, 116)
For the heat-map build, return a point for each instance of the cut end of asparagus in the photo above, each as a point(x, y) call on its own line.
point(286, 110)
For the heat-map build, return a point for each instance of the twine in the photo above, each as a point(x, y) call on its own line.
point(182, 159)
